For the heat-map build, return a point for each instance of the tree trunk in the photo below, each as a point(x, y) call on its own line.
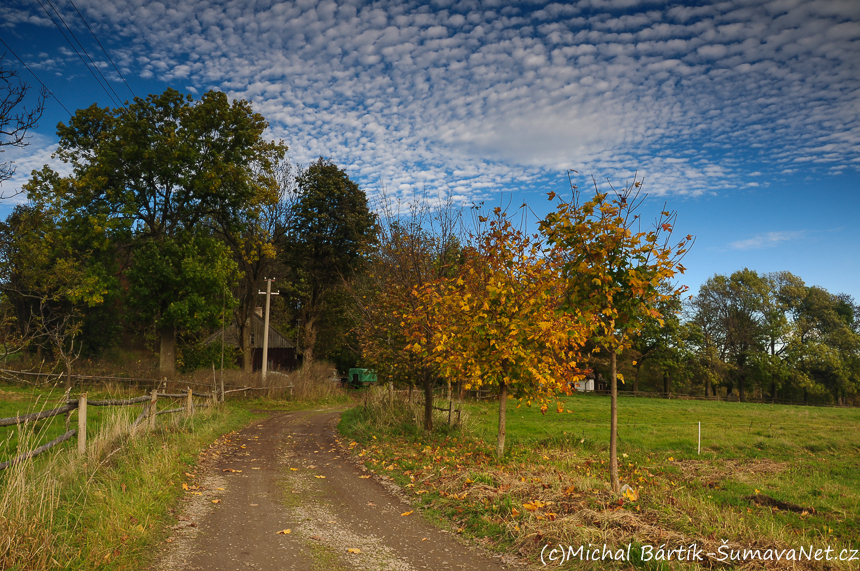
point(310, 339)
point(773, 392)
point(666, 384)
point(613, 422)
point(741, 388)
point(245, 347)
point(428, 401)
point(707, 387)
point(167, 353)
point(503, 409)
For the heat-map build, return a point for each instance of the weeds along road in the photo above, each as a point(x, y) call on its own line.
point(283, 494)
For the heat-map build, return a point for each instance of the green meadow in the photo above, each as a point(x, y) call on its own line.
point(768, 476)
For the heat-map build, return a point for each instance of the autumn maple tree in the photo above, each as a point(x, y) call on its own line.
point(612, 271)
point(417, 244)
point(495, 323)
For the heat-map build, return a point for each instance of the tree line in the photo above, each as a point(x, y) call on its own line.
point(768, 335)
point(174, 212)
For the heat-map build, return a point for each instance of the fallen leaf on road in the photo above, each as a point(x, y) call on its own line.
point(285, 532)
point(216, 501)
point(185, 486)
point(425, 539)
point(322, 477)
point(364, 477)
point(294, 469)
point(256, 468)
point(407, 513)
point(353, 550)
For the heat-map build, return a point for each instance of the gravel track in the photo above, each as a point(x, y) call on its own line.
point(289, 472)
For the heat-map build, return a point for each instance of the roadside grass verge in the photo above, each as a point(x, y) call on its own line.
point(769, 477)
point(107, 508)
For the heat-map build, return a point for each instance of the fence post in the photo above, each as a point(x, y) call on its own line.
point(189, 404)
point(153, 403)
point(82, 423)
point(700, 438)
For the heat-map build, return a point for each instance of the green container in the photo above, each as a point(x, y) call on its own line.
point(361, 377)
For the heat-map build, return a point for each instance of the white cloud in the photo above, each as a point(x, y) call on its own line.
point(767, 240)
point(482, 95)
point(27, 159)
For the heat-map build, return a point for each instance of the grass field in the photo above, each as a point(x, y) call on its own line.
point(768, 477)
point(107, 508)
point(19, 400)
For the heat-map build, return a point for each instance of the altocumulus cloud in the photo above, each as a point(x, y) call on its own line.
point(478, 96)
point(767, 239)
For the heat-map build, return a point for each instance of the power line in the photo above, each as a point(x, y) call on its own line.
point(37, 77)
point(111, 97)
point(60, 16)
point(103, 48)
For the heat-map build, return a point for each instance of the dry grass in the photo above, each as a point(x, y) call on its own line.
point(382, 408)
point(100, 509)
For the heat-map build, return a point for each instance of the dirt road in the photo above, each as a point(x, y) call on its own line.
point(289, 474)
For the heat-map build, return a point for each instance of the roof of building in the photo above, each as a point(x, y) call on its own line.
point(231, 335)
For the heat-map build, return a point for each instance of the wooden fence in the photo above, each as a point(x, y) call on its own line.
point(148, 413)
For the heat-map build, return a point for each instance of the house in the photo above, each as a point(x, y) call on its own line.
point(282, 354)
point(585, 385)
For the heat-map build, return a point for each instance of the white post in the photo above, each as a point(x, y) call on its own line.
point(700, 438)
point(82, 423)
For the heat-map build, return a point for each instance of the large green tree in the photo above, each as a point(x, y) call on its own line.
point(158, 171)
point(330, 230)
point(60, 283)
point(729, 311)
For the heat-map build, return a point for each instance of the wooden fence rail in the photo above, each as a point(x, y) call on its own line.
point(150, 411)
point(39, 450)
point(33, 417)
point(97, 378)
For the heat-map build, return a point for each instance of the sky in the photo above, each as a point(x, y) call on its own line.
point(743, 116)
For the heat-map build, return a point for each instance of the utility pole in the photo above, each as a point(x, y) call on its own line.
point(269, 295)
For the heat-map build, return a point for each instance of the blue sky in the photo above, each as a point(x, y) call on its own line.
point(744, 116)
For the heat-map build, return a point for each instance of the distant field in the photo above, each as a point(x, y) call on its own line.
point(771, 476)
